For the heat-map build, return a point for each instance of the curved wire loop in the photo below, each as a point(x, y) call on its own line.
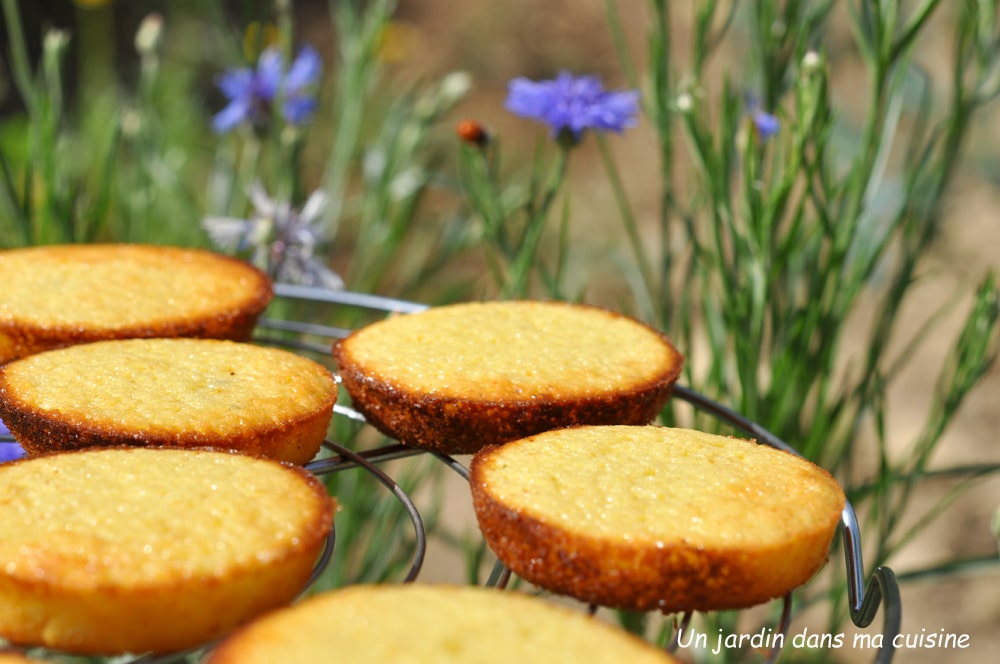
point(323, 561)
point(347, 298)
point(783, 624)
point(453, 464)
point(499, 577)
point(325, 466)
point(679, 629)
point(882, 589)
point(864, 601)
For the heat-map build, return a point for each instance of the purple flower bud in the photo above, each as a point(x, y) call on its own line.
point(766, 124)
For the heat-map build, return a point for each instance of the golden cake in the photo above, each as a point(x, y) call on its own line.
point(58, 295)
point(458, 377)
point(433, 624)
point(16, 658)
point(178, 392)
point(115, 550)
point(655, 518)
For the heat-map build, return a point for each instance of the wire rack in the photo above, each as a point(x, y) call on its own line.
point(866, 595)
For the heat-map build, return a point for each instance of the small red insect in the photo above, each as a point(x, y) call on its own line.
point(472, 132)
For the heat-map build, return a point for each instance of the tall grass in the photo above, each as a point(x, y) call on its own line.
point(763, 254)
point(768, 247)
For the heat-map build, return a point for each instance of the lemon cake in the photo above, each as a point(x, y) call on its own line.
point(10, 657)
point(655, 518)
point(178, 392)
point(458, 377)
point(114, 550)
point(431, 623)
point(58, 295)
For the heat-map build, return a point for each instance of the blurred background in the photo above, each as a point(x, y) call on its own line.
point(164, 132)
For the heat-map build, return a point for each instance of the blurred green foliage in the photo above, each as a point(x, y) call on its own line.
point(759, 250)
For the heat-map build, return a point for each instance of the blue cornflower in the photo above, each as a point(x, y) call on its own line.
point(766, 124)
point(573, 104)
point(282, 241)
point(251, 92)
point(8, 450)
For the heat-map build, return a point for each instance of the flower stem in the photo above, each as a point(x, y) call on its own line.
point(524, 259)
point(628, 218)
point(18, 53)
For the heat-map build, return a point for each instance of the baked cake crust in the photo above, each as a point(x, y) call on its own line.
point(653, 518)
point(16, 658)
point(456, 378)
point(431, 623)
point(176, 392)
point(117, 550)
point(59, 295)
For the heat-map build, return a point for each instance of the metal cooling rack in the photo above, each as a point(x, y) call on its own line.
point(865, 598)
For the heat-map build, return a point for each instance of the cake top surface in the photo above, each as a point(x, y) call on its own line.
point(113, 286)
point(170, 386)
point(660, 486)
point(145, 517)
point(431, 623)
point(520, 349)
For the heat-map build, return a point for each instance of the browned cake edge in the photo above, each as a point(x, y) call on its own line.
point(266, 636)
point(18, 339)
point(454, 425)
point(463, 425)
point(161, 617)
point(640, 576)
point(295, 440)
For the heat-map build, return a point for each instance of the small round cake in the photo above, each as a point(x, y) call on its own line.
point(10, 657)
point(458, 377)
point(59, 295)
point(176, 392)
point(115, 550)
point(431, 623)
point(655, 518)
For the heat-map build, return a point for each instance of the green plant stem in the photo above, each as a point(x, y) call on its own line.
point(658, 104)
point(651, 292)
point(358, 33)
point(479, 182)
point(620, 42)
point(524, 260)
point(19, 60)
